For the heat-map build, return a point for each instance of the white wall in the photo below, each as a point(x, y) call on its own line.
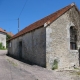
point(3, 39)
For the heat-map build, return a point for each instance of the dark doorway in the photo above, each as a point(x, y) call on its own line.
point(79, 57)
point(20, 49)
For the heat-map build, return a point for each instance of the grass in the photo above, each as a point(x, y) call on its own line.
point(78, 73)
point(3, 49)
point(14, 64)
point(76, 68)
point(55, 65)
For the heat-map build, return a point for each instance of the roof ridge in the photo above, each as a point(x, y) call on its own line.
point(44, 20)
point(72, 4)
point(2, 30)
point(65, 10)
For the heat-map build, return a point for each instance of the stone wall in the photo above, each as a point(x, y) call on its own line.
point(74, 17)
point(13, 47)
point(3, 39)
point(58, 41)
point(33, 46)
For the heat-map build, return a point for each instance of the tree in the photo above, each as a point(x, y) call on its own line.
point(7, 38)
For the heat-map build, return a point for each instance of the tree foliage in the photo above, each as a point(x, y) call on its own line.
point(7, 38)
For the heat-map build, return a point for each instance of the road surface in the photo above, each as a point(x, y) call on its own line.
point(9, 71)
point(12, 69)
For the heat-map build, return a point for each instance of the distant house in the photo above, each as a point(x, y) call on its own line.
point(53, 38)
point(3, 37)
point(3, 34)
point(10, 34)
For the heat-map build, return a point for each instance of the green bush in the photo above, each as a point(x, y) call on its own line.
point(7, 38)
point(55, 65)
point(1, 46)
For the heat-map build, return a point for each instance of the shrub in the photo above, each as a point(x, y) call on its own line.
point(55, 65)
point(7, 38)
point(1, 46)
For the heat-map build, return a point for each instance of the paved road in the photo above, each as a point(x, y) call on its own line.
point(12, 69)
point(3, 52)
point(9, 71)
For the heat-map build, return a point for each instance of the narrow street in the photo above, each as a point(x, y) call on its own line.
point(12, 69)
point(9, 71)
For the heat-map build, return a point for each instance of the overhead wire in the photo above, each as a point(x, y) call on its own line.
point(8, 20)
point(18, 16)
point(22, 8)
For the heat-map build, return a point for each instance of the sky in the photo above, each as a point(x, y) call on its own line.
point(28, 12)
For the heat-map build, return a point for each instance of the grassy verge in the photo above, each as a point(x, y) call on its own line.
point(3, 49)
point(14, 64)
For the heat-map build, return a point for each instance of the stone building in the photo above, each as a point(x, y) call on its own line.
point(3, 34)
point(55, 37)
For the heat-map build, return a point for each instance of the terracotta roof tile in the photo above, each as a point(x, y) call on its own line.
point(10, 33)
point(41, 22)
point(1, 30)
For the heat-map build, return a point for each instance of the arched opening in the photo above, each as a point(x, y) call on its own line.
point(73, 38)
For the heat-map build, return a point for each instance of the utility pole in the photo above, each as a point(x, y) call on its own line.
point(18, 24)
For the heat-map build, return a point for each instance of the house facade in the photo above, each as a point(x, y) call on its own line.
point(55, 37)
point(3, 37)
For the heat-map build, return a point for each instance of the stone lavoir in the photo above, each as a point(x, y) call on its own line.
point(51, 41)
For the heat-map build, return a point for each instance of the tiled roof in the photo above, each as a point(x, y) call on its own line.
point(10, 33)
point(1, 30)
point(41, 22)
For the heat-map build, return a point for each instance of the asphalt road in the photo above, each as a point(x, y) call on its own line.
point(12, 69)
point(9, 71)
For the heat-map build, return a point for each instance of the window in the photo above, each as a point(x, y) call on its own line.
point(73, 38)
point(73, 46)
